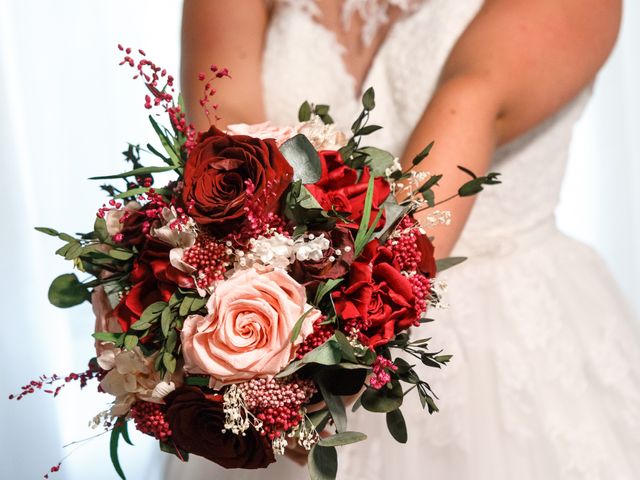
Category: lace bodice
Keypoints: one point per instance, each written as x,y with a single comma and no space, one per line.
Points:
303,61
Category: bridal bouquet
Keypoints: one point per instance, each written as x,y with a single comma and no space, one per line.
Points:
273,271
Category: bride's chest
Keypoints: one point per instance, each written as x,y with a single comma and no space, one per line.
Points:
304,61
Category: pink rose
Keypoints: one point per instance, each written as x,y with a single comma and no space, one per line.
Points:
247,333
262,131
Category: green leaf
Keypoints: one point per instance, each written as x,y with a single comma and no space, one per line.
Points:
367,130
303,158
113,448
125,433
467,171
107,337
48,231
166,143
135,172
296,328
360,242
169,361
397,426
185,306
165,447
197,304
429,197
326,354
383,400
379,160
304,113
100,227
369,99
326,287
342,438
345,347
120,254
323,463
444,359
319,419
67,291
152,312
445,263
166,319
433,180
130,342
74,251
171,341
423,154
335,406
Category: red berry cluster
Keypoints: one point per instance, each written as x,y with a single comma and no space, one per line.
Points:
321,333
47,384
209,91
405,246
209,258
277,404
421,287
149,419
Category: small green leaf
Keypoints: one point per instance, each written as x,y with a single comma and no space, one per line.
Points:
423,154
130,342
152,312
74,251
303,158
326,287
319,418
383,400
360,242
48,231
326,354
67,291
100,227
433,180
169,361
335,406
166,143
185,306
107,337
197,381
166,319
367,130
467,171
198,304
345,347
298,326
133,173
379,160
369,99
397,426
445,263
304,113
120,254
113,448
342,438
443,358
171,341
323,463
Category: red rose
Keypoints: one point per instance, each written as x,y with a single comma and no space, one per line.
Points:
153,279
427,264
377,298
216,173
340,188
197,423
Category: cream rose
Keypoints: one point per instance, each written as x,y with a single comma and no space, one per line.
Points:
263,131
247,333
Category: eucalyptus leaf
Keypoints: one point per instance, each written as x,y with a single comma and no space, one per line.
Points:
383,400
335,406
379,160
67,291
397,426
48,231
323,463
304,113
423,154
303,158
446,263
342,438
369,99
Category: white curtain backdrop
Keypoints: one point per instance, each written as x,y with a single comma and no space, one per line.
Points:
67,113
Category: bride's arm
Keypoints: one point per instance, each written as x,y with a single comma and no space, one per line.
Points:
230,34
517,63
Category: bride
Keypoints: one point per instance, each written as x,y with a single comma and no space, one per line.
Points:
544,382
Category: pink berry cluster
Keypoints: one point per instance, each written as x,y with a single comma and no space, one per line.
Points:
209,258
321,333
405,247
380,375
47,384
149,419
258,222
209,91
277,404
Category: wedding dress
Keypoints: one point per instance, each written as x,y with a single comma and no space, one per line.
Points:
545,379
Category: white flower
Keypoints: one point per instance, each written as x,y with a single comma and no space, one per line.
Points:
311,250
280,251
321,136
274,251
174,230
395,167
131,376
113,217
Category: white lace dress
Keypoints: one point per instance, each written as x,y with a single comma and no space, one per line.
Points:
545,379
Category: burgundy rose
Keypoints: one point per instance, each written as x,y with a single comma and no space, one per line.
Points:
377,298
334,263
427,264
216,175
153,279
197,420
340,188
